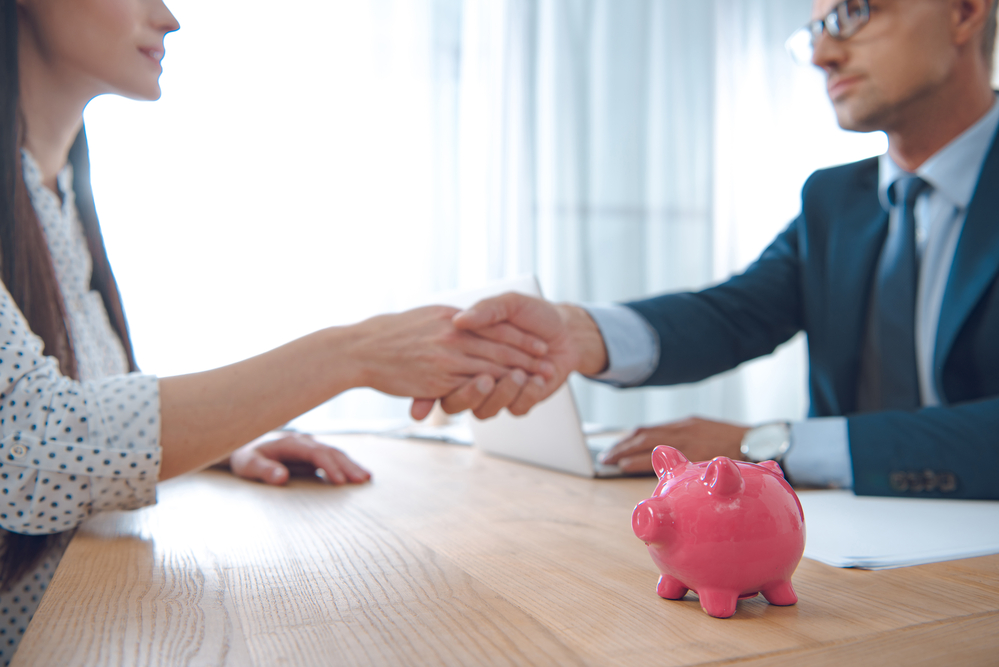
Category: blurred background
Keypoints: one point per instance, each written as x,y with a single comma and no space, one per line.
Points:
315,162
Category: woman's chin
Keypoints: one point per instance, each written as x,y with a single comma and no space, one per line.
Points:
146,93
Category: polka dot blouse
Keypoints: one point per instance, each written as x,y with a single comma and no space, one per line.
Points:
67,448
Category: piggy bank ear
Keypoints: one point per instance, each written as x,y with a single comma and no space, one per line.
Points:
723,477
668,461
773,467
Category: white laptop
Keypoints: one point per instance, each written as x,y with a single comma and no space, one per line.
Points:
551,434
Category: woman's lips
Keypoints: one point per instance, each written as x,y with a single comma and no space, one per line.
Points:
156,55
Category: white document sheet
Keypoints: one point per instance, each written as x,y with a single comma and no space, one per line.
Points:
845,530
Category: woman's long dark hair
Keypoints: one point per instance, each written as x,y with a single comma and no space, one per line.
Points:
26,265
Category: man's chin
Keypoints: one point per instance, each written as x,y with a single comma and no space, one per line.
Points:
853,119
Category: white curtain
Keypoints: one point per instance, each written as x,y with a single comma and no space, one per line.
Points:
640,147
326,161
295,174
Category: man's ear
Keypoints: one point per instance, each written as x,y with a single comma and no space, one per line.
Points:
968,20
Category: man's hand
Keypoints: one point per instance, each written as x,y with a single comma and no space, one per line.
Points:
572,338
269,458
698,439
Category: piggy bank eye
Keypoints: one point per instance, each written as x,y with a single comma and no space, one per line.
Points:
668,461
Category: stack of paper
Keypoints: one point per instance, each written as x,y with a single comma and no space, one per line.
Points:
845,530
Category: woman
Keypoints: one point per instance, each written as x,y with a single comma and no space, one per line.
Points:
80,430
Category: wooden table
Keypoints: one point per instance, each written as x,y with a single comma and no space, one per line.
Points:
451,557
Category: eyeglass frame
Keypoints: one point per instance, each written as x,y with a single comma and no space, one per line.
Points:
830,24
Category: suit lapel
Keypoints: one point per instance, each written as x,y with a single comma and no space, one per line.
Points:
861,232
976,262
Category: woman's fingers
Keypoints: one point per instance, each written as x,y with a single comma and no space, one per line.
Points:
421,407
339,468
255,466
506,391
265,461
535,390
469,395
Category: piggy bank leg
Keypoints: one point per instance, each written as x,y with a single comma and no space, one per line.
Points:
720,604
781,594
670,588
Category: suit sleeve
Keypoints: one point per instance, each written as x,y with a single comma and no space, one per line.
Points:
950,452
714,330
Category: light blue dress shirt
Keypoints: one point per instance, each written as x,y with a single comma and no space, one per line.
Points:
820,453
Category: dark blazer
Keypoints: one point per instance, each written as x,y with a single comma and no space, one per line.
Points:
816,276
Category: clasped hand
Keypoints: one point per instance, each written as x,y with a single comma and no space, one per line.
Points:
574,343
567,333
511,351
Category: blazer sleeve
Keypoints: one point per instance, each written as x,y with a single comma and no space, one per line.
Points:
715,330
948,452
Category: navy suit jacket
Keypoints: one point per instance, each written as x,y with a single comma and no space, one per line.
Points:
816,277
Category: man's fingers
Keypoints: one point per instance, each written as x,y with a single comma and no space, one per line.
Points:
636,464
507,389
626,447
469,395
510,335
421,408
504,355
529,314
487,312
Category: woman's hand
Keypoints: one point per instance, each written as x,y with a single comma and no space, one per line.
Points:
269,458
418,353
421,353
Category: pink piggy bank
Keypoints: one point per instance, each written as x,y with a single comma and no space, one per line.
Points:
725,529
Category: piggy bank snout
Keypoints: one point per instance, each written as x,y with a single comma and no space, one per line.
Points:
648,519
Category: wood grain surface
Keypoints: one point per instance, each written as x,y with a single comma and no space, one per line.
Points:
451,557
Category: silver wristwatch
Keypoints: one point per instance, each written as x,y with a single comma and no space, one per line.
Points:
767,442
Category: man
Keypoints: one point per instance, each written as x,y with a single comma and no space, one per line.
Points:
891,270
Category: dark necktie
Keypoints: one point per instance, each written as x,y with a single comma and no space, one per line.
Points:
894,313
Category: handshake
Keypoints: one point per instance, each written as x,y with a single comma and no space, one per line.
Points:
511,351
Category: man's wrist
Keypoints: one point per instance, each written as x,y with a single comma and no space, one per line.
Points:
767,442
585,337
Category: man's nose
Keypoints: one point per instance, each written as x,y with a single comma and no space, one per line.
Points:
827,52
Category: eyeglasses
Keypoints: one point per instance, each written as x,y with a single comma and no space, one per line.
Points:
842,22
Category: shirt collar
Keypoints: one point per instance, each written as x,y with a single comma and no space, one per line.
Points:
953,170
33,175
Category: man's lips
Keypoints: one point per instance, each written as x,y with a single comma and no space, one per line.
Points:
838,86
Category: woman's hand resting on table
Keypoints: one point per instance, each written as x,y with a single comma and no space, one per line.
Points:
274,457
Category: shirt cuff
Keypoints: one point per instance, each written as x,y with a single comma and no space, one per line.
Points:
632,345
820,453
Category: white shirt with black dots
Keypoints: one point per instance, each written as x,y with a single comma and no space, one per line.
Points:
67,448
